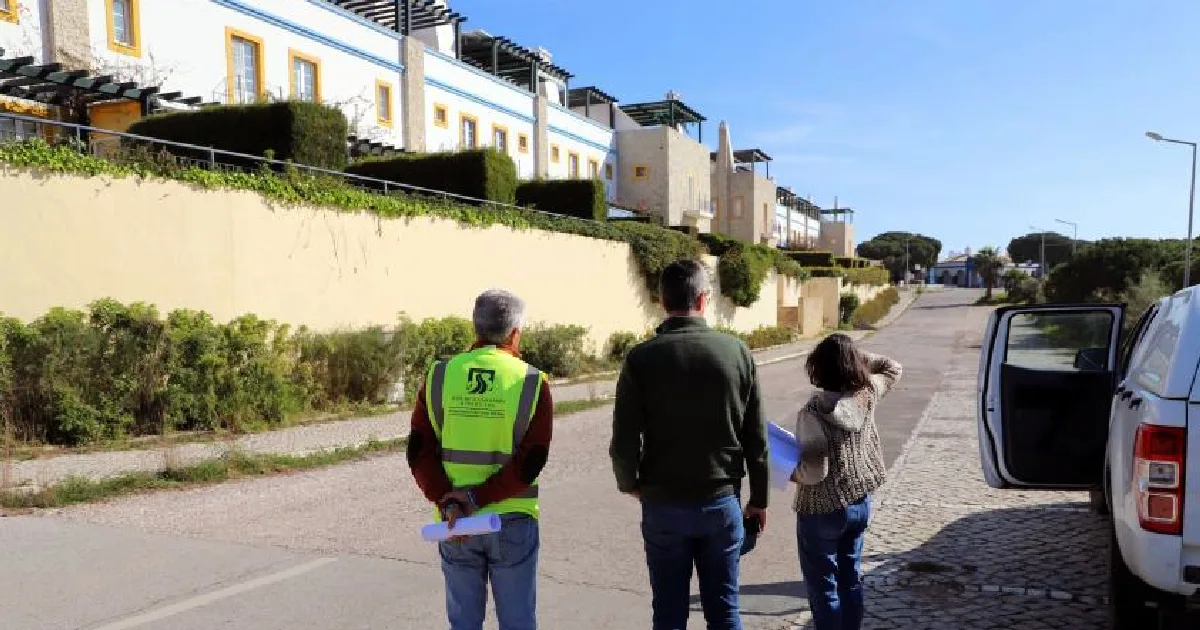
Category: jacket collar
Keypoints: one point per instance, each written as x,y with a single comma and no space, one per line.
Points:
479,345
682,323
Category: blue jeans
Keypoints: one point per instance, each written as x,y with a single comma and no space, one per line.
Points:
830,559
707,536
507,559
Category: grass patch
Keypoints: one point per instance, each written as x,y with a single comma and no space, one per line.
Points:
235,465
575,406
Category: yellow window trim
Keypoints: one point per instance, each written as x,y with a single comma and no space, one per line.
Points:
593,168
571,155
389,121
135,27
507,136
445,122
13,12
293,55
645,172
462,141
260,74
555,154
608,171
523,142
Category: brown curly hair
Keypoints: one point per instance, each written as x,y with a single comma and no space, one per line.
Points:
837,365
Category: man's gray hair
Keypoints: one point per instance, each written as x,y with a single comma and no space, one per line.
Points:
497,314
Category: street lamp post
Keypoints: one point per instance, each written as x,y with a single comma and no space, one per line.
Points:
1074,234
1187,256
1042,264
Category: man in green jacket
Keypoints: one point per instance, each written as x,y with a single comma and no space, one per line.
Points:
687,426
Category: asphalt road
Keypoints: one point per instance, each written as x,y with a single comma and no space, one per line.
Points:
338,548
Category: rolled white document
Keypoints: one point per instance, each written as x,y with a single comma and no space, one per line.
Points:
784,454
468,526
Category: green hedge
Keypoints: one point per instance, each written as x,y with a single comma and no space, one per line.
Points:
480,174
301,132
851,262
813,259
875,309
115,371
742,267
582,198
873,276
763,336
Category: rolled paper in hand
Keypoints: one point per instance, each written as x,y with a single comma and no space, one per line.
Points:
784,454
467,526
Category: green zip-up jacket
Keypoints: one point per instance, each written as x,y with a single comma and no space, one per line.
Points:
688,422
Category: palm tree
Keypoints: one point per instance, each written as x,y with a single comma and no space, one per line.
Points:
988,264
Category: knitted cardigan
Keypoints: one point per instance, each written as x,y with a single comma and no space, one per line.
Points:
841,460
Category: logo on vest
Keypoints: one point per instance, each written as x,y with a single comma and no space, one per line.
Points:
480,380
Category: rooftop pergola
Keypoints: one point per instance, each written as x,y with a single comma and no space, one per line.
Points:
586,97
672,112
50,84
403,16
742,157
507,59
841,215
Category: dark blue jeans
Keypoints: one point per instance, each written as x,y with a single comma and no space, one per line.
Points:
707,536
507,559
831,559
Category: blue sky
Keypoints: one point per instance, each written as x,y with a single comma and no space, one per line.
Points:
967,120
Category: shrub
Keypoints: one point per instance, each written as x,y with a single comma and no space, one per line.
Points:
876,308
485,174
349,366
582,198
868,276
813,259
420,344
556,350
618,347
742,267
297,131
1027,290
767,336
847,304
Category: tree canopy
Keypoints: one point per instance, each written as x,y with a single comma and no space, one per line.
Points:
889,248
1028,248
1111,266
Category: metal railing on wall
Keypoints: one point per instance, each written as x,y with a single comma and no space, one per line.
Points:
104,143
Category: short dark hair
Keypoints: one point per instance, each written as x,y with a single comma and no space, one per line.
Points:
836,365
681,284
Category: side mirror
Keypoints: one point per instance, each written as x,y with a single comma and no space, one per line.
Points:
1091,359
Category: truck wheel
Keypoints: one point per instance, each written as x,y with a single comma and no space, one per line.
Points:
1128,594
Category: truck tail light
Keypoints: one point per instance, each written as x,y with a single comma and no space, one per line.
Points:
1158,478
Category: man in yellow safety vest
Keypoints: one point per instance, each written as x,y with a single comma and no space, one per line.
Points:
480,437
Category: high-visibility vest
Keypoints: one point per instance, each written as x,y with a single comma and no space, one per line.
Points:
480,404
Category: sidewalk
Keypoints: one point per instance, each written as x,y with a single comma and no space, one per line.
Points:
312,438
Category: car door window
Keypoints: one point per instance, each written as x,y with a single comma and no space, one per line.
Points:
1149,365
1060,340
1132,341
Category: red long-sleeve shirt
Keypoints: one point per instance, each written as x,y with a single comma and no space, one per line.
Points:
426,463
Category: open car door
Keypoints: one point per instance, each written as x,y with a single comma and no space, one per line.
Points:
1046,381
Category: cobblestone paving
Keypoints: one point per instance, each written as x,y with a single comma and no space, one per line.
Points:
945,551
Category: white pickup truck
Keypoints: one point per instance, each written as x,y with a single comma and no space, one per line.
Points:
1068,402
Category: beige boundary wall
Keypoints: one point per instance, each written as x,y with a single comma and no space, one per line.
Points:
66,241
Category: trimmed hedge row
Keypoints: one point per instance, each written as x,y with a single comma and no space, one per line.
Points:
479,174
813,259
115,371
297,131
582,198
876,308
